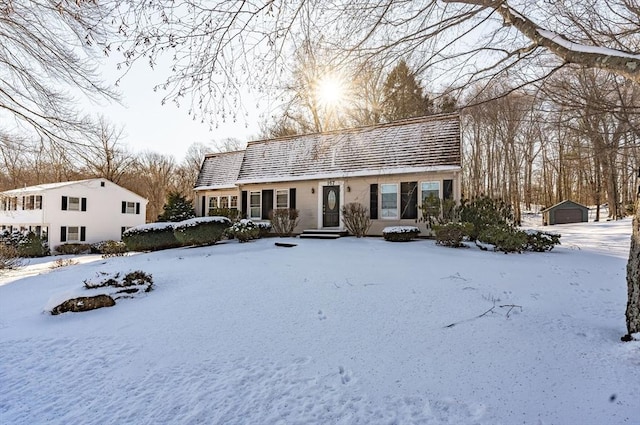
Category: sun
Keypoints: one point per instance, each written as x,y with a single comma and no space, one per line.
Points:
330,91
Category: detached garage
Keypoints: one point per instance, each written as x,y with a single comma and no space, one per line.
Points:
565,212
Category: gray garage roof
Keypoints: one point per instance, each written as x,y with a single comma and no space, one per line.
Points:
413,145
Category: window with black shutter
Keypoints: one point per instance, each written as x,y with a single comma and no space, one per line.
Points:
373,202
292,198
409,200
447,189
245,202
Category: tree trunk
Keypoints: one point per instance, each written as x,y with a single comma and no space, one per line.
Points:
633,279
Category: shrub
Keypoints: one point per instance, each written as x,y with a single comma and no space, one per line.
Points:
73,248
201,230
284,220
400,233
32,245
109,248
482,212
356,219
503,238
541,241
177,209
150,237
231,213
452,234
9,257
436,211
245,230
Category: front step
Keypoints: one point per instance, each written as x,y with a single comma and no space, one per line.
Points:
323,233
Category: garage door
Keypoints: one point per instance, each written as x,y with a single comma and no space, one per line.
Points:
573,215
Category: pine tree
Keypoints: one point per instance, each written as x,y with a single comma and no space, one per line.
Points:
403,95
177,208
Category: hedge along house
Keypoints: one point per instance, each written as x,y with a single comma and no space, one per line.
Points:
388,168
565,212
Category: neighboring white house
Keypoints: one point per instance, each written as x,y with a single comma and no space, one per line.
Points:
85,211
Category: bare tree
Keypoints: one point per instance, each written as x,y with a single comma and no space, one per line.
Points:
46,51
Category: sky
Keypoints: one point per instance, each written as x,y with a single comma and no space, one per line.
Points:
404,333
166,129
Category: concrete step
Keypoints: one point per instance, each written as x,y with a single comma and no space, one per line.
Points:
322,233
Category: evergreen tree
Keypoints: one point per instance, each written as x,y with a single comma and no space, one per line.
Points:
177,208
402,96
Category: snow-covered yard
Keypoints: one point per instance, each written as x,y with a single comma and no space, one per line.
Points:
332,332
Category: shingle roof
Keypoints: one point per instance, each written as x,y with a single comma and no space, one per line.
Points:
220,170
413,145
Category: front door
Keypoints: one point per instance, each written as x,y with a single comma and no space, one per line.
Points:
331,206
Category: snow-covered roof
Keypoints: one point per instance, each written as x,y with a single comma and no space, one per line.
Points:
40,188
220,170
417,144
566,201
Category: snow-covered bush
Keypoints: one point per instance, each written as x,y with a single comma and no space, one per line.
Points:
244,230
502,238
356,219
541,241
201,230
452,234
284,221
400,233
109,248
26,243
150,237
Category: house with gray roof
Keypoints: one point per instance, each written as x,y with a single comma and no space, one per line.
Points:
389,168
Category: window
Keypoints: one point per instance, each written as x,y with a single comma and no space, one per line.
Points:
389,195
255,209
234,202
213,205
38,202
282,198
430,189
131,208
224,202
73,234
73,204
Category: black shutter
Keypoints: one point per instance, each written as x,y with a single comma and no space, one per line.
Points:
447,189
292,198
373,202
124,207
409,200
83,206
23,203
122,229
245,200
63,234
137,207
267,203
203,206
83,234
64,203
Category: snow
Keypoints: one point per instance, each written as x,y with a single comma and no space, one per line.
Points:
346,331
576,47
400,229
162,225
200,220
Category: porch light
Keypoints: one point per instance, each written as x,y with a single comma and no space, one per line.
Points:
313,190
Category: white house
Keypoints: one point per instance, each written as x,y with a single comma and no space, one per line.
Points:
85,211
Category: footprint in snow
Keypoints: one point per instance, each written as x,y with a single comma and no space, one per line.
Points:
321,315
345,376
